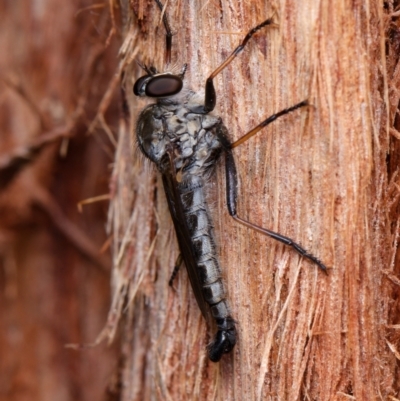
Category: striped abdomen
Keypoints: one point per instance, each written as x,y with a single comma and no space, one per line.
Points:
207,275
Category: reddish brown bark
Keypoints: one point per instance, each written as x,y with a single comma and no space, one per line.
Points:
327,176
55,66
319,175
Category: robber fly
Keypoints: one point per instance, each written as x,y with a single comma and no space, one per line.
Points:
184,140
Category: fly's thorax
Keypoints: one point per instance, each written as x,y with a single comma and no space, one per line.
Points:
189,138
196,145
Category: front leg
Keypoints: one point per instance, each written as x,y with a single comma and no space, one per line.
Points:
210,99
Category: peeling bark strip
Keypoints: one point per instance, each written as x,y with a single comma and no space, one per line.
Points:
320,178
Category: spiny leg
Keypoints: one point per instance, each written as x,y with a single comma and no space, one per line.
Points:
210,96
177,266
232,182
285,240
267,121
168,34
231,192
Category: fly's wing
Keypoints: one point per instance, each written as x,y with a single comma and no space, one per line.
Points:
182,232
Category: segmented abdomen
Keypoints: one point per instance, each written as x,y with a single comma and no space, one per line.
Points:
202,238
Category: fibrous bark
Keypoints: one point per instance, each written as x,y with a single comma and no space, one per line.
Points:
320,176
55,66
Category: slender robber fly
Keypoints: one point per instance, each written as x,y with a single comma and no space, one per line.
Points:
184,140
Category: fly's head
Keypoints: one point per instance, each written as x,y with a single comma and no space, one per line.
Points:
159,85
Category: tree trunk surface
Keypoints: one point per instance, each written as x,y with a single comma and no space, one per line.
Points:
325,176
55,66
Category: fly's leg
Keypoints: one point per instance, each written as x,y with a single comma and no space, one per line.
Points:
177,266
267,121
231,197
210,97
231,187
168,32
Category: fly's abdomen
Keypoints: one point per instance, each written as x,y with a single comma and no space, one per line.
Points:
202,238
208,271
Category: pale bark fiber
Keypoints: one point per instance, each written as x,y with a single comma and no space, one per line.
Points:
318,175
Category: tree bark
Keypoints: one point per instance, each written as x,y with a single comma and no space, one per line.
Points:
319,175
55,66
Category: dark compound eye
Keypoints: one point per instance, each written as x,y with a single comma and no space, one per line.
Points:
163,85
137,88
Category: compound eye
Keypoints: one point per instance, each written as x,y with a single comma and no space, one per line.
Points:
164,85
138,87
